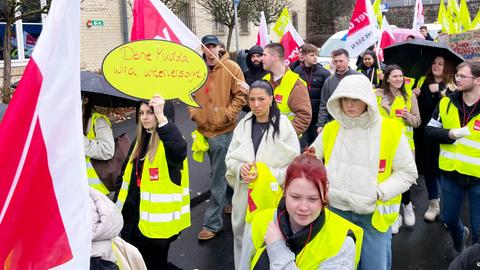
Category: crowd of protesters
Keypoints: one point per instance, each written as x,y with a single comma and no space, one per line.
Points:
321,165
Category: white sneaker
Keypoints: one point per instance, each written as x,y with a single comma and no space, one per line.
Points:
408,215
396,225
433,210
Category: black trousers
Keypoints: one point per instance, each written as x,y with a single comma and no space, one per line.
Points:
154,251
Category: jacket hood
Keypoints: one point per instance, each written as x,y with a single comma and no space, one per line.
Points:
356,87
254,49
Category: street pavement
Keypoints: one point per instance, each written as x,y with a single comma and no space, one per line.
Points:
426,246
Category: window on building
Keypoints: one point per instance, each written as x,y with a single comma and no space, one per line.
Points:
244,29
25,34
187,15
295,20
218,28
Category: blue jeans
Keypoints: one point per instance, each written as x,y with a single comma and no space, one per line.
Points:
433,186
452,199
376,247
213,219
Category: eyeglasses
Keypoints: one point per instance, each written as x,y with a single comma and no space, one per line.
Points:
460,77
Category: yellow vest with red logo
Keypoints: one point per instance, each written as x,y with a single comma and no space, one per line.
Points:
282,92
462,156
93,179
164,206
385,213
263,193
396,114
326,244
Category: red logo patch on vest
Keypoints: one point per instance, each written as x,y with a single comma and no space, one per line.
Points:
407,80
381,165
153,174
399,112
476,125
251,204
278,98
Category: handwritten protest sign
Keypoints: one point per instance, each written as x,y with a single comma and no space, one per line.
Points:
146,67
467,44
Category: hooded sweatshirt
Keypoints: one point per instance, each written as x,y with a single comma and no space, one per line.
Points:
254,72
353,166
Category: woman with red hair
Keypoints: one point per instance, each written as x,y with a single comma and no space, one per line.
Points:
301,233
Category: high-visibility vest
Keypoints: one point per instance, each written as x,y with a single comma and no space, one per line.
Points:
282,92
199,146
326,244
377,72
462,156
385,213
409,83
93,179
164,206
395,113
263,193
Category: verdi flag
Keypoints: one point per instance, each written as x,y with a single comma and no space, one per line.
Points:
44,205
262,36
453,15
465,16
363,31
386,38
418,18
153,20
378,12
291,42
442,17
476,22
283,20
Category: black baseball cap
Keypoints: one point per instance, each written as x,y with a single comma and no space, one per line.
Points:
210,39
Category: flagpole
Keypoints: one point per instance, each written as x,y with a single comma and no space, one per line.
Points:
376,46
220,62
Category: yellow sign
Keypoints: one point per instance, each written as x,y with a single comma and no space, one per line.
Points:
146,67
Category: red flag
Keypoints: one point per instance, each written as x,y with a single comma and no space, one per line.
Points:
363,31
262,36
291,42
386,38
153,20
44,211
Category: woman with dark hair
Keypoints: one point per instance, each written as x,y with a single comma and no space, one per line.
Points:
370,68
98,140
300,233
437,83
154,196
398,103
263,144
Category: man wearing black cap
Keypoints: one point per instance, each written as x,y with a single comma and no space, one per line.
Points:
255,65
221,99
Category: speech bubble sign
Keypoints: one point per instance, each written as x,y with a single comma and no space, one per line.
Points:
146,67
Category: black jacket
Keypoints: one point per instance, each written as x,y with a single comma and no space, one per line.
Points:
254,72
314,76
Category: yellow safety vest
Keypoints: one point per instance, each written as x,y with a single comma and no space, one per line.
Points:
409,83
263,193
164,206
326,244
93,179
462,156
385,212
199,146
377,71
282,92
398,105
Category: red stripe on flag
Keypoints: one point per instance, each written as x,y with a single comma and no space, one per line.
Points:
148,23
33,234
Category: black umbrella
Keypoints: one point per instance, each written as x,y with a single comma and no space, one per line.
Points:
102,93
416,56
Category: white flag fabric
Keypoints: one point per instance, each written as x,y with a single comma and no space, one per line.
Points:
387,38
418,17
291,42
262,36
363,31
45,212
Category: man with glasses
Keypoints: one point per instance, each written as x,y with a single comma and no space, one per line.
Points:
455,124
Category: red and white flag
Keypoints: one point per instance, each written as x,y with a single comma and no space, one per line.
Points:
386,38
153,20
291,42
418,18
262,36
363,31
44,205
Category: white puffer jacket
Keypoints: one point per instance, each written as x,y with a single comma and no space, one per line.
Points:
107,222
353,167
